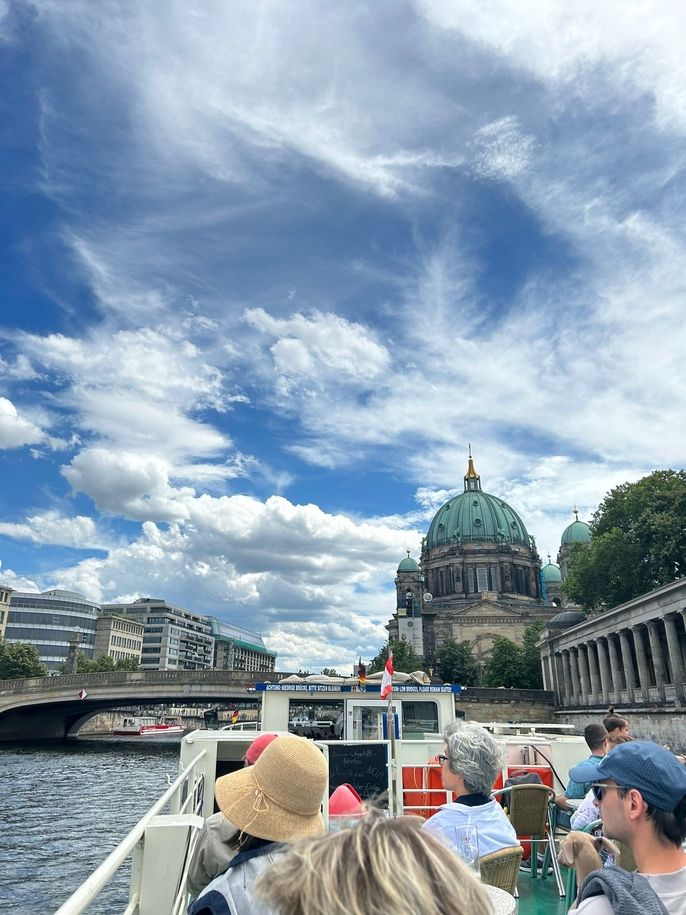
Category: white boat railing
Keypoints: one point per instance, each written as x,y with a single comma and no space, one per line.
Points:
184,797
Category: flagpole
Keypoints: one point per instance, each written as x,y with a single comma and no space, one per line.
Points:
390,728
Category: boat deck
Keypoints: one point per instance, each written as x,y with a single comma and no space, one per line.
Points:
539,897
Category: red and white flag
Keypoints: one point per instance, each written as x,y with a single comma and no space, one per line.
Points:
82,694
387,679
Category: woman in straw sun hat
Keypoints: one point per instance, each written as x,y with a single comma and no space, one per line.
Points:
278,800
215,847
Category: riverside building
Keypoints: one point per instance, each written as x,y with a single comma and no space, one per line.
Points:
173,639
119,637
49,620
240,649
5,592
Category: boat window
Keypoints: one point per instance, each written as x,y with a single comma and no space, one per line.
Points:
317,719
419,718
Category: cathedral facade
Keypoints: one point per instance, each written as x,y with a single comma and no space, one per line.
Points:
479,576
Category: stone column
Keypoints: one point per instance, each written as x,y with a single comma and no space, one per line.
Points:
627,660
591,648
658,658
605,672
615,666
585,678
559,678
566,678
642,663
676,660
576,683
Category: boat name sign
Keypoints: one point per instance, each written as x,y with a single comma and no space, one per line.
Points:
326,688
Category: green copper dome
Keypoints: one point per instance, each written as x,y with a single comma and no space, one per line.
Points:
551,574
408,564
475,515
576,532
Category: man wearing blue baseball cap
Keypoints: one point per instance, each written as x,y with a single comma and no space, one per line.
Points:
641,790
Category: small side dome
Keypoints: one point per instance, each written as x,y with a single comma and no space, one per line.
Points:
566,619
408,564
551,574
576,532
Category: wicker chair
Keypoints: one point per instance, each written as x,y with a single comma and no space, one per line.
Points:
528,813
501,868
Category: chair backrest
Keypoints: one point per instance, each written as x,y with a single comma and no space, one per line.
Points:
529,809
501,868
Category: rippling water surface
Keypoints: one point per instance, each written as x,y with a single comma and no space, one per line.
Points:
64,807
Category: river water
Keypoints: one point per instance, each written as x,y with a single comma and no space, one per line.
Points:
64,807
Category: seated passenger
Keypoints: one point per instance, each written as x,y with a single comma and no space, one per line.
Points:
382,865
595,736
276,801
215,847
588,810
641,790
615,725
470,765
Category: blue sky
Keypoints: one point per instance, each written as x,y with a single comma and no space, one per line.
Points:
267,269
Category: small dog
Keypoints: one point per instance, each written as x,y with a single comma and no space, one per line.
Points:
581,850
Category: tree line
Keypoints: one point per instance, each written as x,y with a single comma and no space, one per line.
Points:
18,660
509,664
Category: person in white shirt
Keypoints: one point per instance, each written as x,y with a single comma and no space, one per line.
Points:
641,791
470,764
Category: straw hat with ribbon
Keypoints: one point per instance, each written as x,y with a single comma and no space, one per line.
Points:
279,798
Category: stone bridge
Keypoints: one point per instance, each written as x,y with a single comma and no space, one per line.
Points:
52,708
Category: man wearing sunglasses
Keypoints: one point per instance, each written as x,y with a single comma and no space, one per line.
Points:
641,791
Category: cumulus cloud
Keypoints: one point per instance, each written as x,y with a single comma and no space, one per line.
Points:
80,532
272,566
15,429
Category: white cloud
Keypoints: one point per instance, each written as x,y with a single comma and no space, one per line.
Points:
52,528
502,151
15,429
272,566
637,47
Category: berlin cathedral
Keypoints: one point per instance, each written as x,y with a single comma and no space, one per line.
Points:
479,576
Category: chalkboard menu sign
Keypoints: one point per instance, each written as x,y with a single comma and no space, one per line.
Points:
362,765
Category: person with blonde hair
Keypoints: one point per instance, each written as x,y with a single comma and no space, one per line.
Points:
380,865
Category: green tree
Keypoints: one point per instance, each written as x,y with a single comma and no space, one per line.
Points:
639,542
404,658
531,657
455,662
505,667
329,672
18,660
103,664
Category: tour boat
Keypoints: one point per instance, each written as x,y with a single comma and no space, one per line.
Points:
385,748
146,727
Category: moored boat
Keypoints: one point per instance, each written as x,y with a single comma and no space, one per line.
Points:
146,727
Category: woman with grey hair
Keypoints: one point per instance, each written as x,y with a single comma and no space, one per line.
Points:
470,764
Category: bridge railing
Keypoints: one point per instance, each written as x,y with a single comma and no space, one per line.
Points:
149,839
233,677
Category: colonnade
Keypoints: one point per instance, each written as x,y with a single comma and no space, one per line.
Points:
641,663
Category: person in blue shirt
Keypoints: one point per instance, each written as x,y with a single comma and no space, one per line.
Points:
595,736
